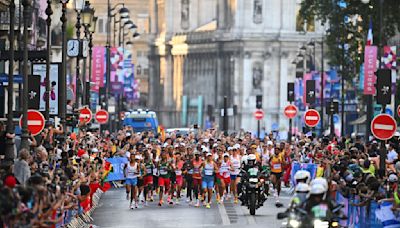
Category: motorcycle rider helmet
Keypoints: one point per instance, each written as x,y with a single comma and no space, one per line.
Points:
251,160
322,181
317,189
302,188
302,176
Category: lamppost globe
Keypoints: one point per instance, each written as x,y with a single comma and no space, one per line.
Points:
124,12
87,15
133,29
92,28
124,19
365,1
136,35
129,44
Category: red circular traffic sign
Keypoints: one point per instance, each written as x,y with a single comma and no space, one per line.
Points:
101,116
290,111
259,114
35,121
85,115
311,118
383,126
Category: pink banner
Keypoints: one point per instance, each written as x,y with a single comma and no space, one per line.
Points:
98,63
369,69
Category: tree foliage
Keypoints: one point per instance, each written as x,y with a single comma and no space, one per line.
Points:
348,27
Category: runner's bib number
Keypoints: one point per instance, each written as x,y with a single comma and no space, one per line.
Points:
178,172
277,166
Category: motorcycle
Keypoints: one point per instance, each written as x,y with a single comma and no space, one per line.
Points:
253,188
298,218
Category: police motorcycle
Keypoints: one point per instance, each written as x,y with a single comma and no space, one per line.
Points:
253,188
321,214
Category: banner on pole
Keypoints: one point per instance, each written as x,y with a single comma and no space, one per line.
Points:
98,67
370,56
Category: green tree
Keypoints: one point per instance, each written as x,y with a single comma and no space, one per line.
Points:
348,27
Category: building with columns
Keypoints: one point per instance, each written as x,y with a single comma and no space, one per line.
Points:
216,48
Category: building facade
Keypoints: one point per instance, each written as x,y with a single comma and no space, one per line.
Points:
216,48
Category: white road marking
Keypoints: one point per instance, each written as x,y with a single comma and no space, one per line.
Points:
224,215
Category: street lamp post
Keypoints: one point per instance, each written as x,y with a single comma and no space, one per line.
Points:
25,135
92,29
78,8
9,153
87,20
49,12
63,82
124,12
313,44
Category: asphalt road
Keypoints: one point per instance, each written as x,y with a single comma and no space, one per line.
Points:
114,212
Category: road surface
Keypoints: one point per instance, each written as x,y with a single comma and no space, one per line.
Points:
114,212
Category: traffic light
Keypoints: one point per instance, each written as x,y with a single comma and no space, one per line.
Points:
332,107
383,86
102,97
290,91
310,92
259,101
210,110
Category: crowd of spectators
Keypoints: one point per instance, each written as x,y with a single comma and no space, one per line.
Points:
54,180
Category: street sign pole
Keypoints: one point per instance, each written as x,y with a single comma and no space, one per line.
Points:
290,129
382,155
290,98
258,128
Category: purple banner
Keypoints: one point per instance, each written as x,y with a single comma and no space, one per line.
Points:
369,69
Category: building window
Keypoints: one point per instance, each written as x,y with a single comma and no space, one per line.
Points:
101,24
257,13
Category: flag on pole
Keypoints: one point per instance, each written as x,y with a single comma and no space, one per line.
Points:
370,37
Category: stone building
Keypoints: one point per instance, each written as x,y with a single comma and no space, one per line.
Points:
217,48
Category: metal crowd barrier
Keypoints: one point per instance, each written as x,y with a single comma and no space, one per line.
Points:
74,219
358,216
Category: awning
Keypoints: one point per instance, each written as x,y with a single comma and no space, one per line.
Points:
359,120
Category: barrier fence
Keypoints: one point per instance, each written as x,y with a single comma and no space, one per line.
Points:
80,218
359,216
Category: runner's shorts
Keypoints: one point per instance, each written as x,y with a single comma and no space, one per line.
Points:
208,182
179,180
164,182
148,180
278,175
131,181
233,177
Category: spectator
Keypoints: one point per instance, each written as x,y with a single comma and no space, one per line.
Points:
21,167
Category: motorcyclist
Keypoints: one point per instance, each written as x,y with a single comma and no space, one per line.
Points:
318,206
301,193
302,176
249,163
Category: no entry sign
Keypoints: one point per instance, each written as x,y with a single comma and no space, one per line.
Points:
35,121
383,126
85,115
259,114
311,118
101,116
290,111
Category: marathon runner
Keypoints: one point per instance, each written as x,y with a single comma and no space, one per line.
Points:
209,168
276,163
